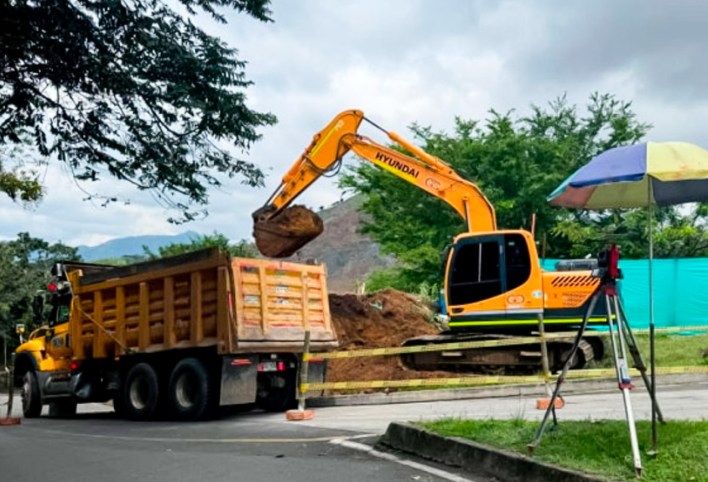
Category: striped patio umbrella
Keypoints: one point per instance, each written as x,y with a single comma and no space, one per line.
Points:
662,173
641,175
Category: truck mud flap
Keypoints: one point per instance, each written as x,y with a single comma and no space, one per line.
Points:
316,373
238,379
80,387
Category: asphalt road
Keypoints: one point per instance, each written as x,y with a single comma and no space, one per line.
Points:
264,447
96,446
680,401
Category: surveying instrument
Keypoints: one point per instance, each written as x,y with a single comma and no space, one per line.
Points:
621,340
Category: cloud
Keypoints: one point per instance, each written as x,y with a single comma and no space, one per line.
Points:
663,45
405,61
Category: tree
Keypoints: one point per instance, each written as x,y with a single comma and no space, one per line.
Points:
126,89
517,162
679,232
25,265
216,240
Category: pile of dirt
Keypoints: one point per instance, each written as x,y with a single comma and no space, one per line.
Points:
383,319
282,235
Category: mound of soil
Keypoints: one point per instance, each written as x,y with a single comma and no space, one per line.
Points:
282,235
383,319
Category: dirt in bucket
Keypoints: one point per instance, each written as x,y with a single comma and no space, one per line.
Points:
282,235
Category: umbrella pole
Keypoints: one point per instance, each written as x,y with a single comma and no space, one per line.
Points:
652,354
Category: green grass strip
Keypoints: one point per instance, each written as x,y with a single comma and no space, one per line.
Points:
600,448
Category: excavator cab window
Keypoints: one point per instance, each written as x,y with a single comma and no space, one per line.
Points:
486,266
517,261
476,270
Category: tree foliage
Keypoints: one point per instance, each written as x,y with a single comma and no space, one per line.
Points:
127,89
216,240
679,232
25,265
19,182
517,162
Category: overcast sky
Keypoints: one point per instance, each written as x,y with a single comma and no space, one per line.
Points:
405,61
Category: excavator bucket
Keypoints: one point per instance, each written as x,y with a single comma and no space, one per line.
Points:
282,235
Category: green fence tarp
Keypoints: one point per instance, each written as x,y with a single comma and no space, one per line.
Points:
680,291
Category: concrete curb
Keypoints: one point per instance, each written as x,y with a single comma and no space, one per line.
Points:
664,382
475,458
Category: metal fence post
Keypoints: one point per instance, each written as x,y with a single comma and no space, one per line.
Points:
10,390
303,373
544,355
9,420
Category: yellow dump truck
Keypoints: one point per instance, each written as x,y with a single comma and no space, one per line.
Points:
176,337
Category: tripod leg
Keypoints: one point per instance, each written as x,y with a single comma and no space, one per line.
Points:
544,355
625,384
563,374
638,360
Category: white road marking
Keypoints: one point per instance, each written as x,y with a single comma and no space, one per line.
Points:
206,440
392,458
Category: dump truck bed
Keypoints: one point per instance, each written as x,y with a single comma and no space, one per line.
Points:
202,299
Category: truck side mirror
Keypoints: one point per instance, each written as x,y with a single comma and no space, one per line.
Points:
38,308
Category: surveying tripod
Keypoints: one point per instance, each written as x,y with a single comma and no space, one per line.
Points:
621,340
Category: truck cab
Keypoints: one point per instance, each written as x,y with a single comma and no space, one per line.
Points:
43,364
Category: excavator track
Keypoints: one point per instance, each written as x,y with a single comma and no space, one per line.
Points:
499,360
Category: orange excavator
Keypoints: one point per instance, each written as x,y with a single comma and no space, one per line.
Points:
494,287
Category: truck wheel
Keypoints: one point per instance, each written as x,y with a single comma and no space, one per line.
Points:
141,392
63,408
276,393
31,398
192,391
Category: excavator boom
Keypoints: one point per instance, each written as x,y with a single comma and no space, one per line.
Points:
280,230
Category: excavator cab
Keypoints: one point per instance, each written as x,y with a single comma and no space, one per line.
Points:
492,279
483,267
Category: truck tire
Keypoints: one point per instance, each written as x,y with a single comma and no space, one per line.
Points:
141,392
276,393
192,391
31,398
62,408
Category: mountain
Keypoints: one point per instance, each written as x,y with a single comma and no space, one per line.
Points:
349,255
132,245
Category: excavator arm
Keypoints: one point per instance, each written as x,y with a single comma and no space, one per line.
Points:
279,234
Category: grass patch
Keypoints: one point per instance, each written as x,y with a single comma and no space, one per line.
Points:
600,448
672,350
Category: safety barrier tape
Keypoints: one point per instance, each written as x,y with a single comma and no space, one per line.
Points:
489,380
526,340
672,329
609,372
